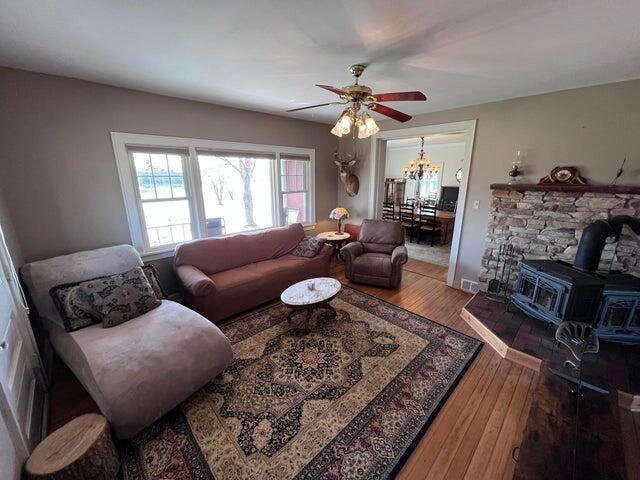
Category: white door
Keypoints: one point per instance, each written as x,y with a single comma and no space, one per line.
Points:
22,389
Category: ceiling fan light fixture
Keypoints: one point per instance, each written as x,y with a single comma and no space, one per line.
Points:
370,125
366,126
357,96
343,125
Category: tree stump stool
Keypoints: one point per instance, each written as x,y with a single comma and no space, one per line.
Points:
81,449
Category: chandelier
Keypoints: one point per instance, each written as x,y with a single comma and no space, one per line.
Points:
420,166
350,118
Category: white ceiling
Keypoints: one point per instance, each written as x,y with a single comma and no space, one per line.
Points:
266,55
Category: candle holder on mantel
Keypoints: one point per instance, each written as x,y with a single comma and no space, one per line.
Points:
515,171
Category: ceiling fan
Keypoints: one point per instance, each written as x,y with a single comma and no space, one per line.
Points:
358,96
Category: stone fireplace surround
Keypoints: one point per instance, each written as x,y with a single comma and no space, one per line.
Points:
546,222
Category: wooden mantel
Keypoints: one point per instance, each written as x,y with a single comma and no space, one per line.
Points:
556,187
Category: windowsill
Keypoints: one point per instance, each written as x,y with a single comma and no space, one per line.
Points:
150,256
160,254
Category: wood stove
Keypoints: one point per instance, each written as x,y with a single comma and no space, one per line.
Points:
619,315
556,292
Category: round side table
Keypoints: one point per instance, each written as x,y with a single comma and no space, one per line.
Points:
80,449
336,240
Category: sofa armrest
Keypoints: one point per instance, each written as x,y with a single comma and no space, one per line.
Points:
326,251
194,281
351,251
399,256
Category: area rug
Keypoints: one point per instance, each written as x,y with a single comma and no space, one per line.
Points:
348,398
438,254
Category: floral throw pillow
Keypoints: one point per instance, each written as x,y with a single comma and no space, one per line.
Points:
152,276
112,300
308,247
75,306
121,297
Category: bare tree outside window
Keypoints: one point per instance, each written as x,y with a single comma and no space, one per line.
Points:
245,167
217,178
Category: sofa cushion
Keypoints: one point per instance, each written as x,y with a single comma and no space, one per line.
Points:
152,276
111,299
283,266
236,277
141,369
75,306
217,254
121,297
308,247
43,275
373,264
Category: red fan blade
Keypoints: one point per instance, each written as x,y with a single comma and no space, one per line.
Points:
390,112
332,89
313,106
400,97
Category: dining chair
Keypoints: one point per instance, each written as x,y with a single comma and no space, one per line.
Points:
388,211
407,219
427,222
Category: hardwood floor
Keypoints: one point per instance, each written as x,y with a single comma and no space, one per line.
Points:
477,430
436,272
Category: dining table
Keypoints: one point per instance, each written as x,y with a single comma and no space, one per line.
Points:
445,220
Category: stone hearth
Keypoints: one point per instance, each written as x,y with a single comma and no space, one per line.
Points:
546,222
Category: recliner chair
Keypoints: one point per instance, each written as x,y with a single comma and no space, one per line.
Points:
378,255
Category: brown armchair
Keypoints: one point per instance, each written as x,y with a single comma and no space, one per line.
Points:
378,255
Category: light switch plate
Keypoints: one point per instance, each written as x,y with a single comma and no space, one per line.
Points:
476,204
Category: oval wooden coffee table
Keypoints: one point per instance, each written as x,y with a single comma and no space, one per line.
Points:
80,449
310,295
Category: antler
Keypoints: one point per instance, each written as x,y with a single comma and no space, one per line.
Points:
348,157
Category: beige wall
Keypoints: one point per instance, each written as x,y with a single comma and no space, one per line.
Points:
58,169
592,128
6,223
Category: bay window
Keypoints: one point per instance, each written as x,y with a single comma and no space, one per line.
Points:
178,189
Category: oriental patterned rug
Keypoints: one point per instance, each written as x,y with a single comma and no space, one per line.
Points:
348,399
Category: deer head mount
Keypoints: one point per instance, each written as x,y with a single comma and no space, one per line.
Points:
349,180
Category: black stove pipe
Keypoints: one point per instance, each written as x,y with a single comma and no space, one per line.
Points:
595,236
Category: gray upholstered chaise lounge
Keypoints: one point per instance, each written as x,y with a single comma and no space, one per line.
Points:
141,369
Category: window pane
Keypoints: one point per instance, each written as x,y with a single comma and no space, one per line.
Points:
177,231
163,187
237,193
295,207
175,164
147,190
159,163
293,175
142,163
162,217
177,186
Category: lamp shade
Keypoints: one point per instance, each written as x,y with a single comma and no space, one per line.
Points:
339,213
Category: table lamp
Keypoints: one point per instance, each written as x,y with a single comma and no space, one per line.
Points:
339,214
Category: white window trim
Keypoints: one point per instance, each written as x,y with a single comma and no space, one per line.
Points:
121,141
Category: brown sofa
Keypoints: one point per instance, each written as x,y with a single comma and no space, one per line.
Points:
378,255
222,276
